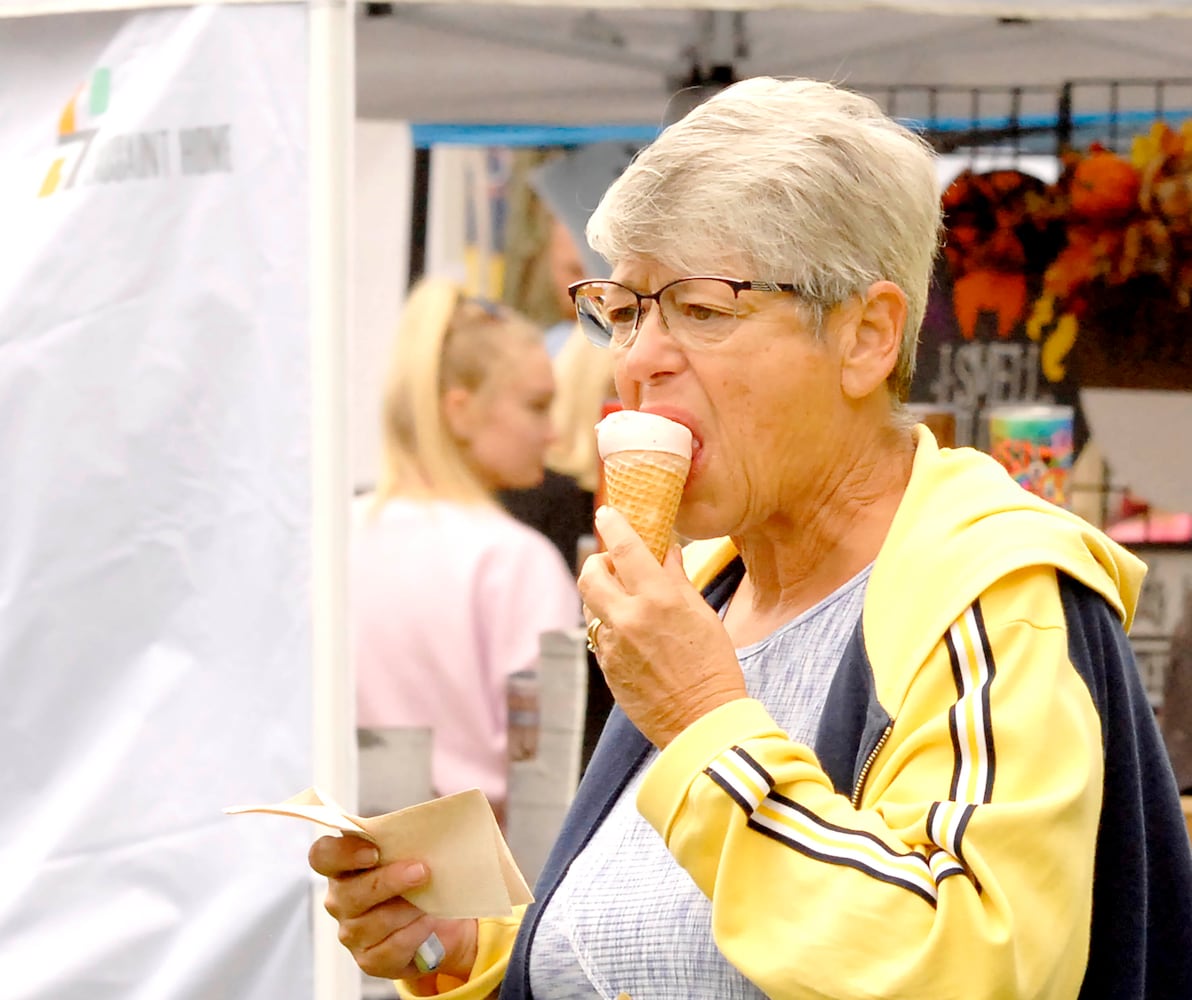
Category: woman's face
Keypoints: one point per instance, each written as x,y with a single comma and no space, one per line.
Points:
763,405
504,426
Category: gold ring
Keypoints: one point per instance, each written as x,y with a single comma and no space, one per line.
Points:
593,628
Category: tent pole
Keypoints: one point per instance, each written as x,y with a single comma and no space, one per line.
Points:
419,208
331,114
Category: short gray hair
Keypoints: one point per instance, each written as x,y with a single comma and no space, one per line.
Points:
796,180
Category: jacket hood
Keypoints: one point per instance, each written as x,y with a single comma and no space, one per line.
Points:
962,525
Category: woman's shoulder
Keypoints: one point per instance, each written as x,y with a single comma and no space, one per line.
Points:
484,528
513,535
515,549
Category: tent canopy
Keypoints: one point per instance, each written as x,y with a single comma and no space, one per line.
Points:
485,63
615,62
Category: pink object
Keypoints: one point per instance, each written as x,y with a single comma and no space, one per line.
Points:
447,601
1152,527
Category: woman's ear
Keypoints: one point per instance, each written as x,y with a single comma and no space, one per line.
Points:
459,412
871,352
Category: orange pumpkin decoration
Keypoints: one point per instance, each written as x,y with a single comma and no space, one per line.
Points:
1103,187
962,239
1002,293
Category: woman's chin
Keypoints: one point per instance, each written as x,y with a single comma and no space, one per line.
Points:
698,521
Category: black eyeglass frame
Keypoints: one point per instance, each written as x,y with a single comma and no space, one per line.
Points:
738,285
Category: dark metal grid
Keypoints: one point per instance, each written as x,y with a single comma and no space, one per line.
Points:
1016,120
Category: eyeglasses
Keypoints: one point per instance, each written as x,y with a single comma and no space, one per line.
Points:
697,311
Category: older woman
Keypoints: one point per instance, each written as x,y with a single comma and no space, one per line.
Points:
897,746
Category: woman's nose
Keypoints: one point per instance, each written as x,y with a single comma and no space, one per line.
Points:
653,352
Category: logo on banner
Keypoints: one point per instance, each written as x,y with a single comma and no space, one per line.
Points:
77,127
87,153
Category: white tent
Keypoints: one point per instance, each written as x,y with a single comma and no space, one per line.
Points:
173,320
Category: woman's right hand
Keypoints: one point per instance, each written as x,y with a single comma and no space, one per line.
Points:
377,924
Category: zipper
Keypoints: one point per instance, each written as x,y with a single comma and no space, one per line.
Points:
855,799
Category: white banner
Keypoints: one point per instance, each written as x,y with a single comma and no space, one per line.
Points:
154,504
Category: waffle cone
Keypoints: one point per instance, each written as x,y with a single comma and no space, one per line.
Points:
646,487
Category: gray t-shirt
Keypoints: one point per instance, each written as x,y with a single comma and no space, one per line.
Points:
626,917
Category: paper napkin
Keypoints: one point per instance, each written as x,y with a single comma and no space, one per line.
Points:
472,873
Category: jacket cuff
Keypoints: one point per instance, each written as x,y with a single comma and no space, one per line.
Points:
494,945
664,788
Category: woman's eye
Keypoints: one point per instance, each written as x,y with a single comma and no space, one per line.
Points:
623,316
702,313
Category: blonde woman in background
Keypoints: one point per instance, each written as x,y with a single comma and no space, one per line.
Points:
450,594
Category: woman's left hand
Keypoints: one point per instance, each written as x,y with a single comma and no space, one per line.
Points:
664,652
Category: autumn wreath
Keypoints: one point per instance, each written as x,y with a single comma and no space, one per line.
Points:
1116,300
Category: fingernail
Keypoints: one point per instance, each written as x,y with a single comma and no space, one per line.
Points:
415,873
366,857
601,513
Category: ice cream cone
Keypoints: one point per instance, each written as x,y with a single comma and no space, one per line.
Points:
646,461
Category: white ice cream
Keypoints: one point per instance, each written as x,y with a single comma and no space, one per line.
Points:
632,430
